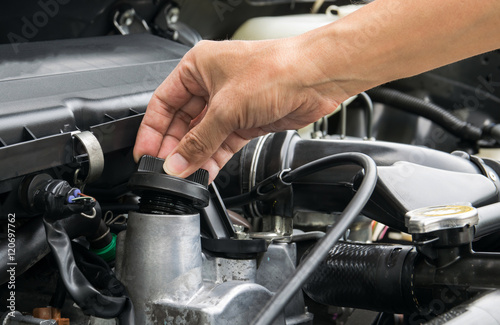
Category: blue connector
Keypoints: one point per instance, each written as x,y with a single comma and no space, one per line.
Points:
73,195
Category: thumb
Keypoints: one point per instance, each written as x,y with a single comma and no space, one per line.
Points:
197,146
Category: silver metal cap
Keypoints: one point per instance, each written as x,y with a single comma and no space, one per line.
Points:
429,219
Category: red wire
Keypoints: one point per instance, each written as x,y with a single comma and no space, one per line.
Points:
81,194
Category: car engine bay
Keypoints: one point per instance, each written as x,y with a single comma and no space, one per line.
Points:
385,212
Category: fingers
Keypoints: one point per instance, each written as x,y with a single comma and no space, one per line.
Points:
233,144
200,144
164,115
180,125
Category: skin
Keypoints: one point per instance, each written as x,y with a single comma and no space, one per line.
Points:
222,94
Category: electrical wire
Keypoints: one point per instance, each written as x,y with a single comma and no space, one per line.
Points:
377,230
278,302
86,196
83,198
110,219
382,233
86,200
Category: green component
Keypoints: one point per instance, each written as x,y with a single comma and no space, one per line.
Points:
107,253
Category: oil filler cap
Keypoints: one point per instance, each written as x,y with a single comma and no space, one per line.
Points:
441,217
150,164
151,178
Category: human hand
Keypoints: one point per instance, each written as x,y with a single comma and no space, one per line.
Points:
222,94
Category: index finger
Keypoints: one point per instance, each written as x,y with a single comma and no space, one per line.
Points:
167,99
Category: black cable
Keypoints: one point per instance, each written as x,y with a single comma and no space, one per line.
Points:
433,112
239,200
288,178
318,165
278,302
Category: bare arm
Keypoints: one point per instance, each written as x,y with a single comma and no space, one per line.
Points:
393,39
224,93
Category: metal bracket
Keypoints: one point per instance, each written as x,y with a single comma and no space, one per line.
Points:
129,22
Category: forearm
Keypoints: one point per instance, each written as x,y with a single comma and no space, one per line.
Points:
393,39
241,90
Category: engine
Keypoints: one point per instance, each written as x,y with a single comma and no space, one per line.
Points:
387,212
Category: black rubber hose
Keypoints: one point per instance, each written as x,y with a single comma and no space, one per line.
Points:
89,299
433,112
289,177
367,276
59,296
316,166
31,242
102,277
278,302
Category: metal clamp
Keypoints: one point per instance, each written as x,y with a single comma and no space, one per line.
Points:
95,154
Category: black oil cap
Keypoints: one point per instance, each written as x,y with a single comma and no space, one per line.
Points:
155,165
151,178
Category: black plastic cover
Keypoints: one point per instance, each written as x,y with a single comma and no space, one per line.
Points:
51,89
405,186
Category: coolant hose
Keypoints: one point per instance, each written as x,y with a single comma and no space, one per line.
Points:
367,276
433,112
397,279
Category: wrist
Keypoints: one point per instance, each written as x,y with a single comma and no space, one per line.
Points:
392,39
329,63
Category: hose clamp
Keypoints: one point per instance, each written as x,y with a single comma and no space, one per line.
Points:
95,156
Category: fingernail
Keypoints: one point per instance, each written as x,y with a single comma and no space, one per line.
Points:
175,164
